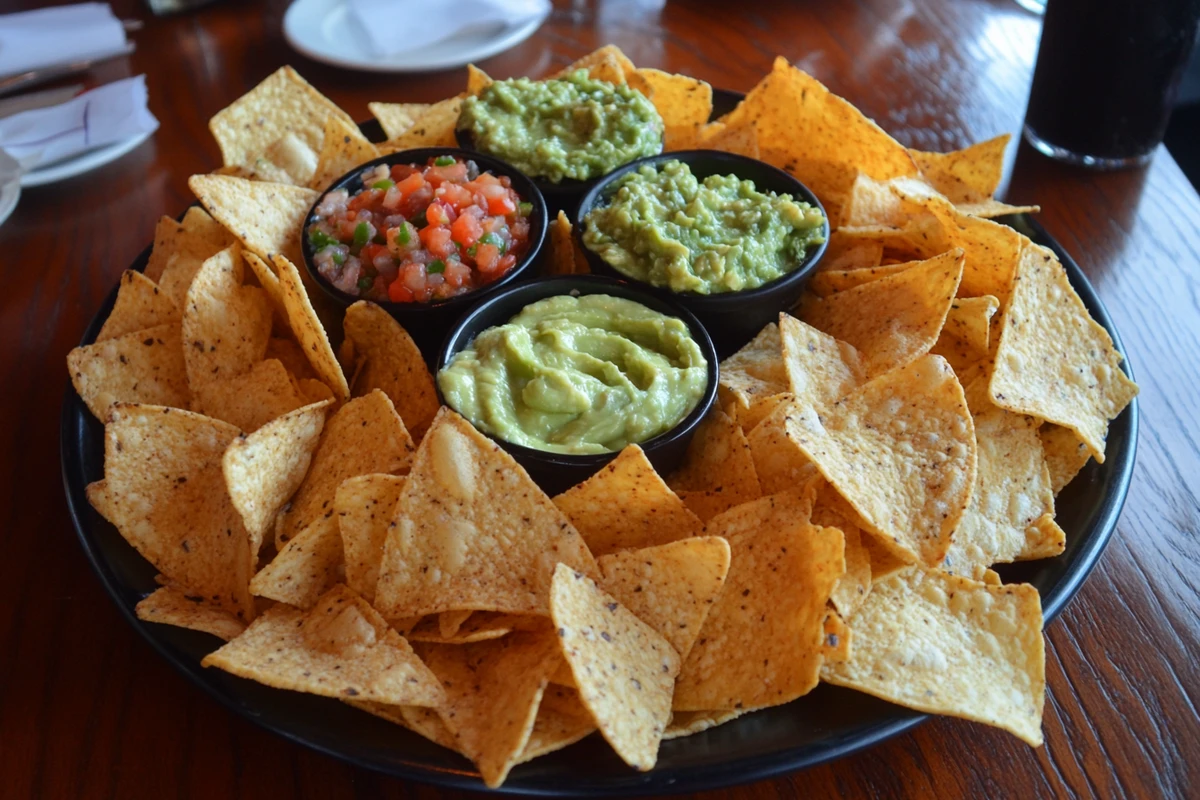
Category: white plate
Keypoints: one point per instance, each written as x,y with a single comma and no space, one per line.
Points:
10,193
84,162
323,30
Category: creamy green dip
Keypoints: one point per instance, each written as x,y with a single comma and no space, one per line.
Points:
575,127
665,227
586,374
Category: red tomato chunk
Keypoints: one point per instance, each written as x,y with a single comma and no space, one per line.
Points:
416,234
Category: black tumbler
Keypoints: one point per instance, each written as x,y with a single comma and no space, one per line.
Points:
1106,78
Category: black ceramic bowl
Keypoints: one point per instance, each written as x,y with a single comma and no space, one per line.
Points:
556,472
732,318
428,323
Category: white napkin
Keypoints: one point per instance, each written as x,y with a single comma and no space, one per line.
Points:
396,26
102,116
48,36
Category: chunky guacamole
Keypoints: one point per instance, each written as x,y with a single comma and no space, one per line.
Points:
586,374
667,228
575,127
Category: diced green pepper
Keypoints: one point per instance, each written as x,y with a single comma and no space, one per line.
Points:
435,267
402,235
362,234
443,161
339,257
320,240
493,238
365,283
384,184
524,209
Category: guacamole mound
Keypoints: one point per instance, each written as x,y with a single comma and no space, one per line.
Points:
574,127
669,229
578,375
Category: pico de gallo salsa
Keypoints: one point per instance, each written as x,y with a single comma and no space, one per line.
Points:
420,233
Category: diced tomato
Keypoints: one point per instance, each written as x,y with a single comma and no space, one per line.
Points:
399,293
402,171
507,261
487,257
457,274
370,251
501,205
406,186
465,230
456,173
364,200
437,214
455,195
437,240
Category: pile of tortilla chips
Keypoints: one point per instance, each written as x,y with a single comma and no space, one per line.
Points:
872,456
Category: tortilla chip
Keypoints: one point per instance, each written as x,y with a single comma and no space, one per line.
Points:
477,79
265,217
626,504
845,252
1065,454
670,587
314,391
166,495
166,231
780,465
761,643
994,208
422,721
707,503
820,369
901,450
742,141
719,460
139,367
832,511
448,622
283,104
340,648
493,690
251,399
263,469
397,118
562,247
1012,492
472,626
603,55
287,351
944,644
562,720
170,606
472,531
893,320
342,149
753,377
827,282
364,436
225,325
835,646
683,102
140,305
389,360
624,669
687,723
308,330
1054,361
970,175
309,565
965,338
433,128
203,229
365,505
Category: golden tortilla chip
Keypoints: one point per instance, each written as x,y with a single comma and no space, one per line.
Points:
893,320
265,217
225,325
832,511
742,141
473,626
166,231
780,465
604,55
251,399
309,565
314,391
970,175
1012,493
139,367
202,228
1054,361
283,104
994,208
363,437
264,468
944,644
761,644
1065,454
562,247
845,252
170,606
965,338
397,118
626,504
269,282
820,369
389,360
339,648
477,79
753,377
901,450
343,148
624,669
472,531
365,505
433,128
562,720
687,723
835,646
719,460
288,352
448,622
165,493
140,305
422,721
308,330
493,690
683,102
670,587
827,282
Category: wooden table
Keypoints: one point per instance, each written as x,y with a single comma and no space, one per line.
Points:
86,709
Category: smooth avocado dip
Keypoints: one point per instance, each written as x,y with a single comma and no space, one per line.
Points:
669,229
578,375
574,127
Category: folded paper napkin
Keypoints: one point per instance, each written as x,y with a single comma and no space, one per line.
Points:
49,36
396,26
102,116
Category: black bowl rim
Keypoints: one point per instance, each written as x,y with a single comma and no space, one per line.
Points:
602,284
538,230
800,274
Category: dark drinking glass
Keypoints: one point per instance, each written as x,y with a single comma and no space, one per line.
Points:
1106,78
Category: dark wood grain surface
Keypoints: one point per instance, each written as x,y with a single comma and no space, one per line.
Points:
87,710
